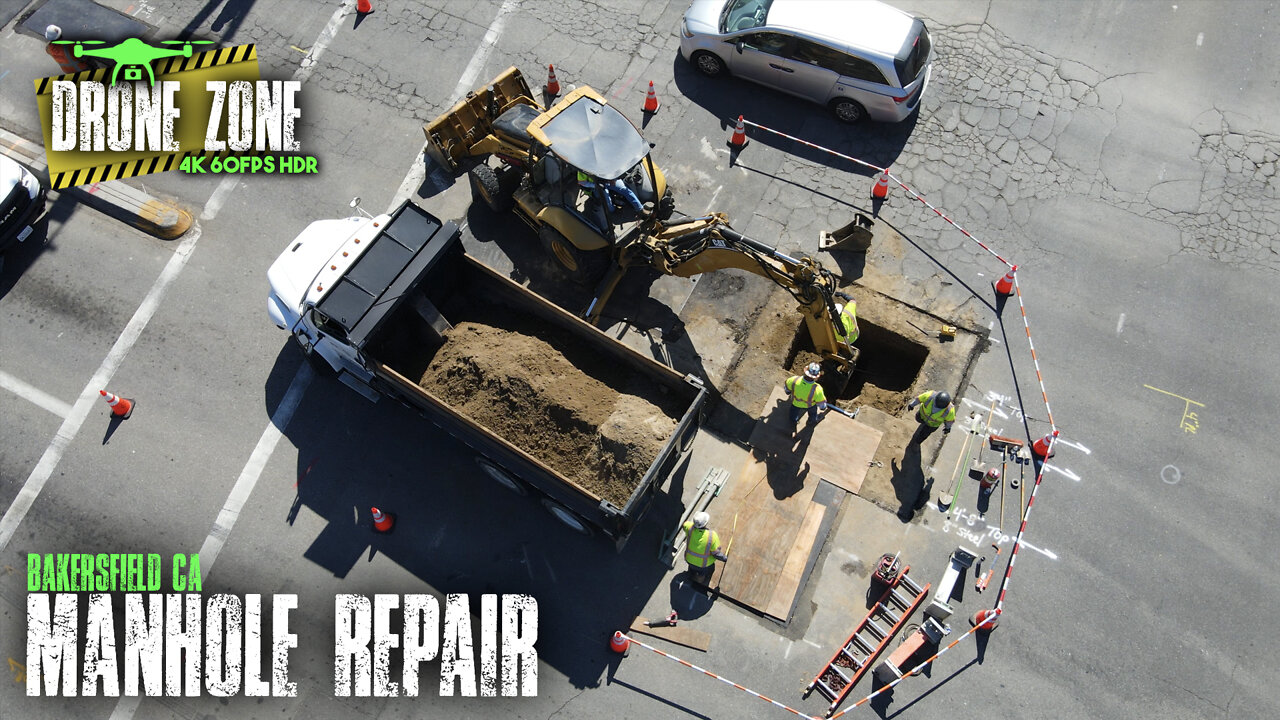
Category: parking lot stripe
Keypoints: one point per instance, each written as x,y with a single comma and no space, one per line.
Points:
89,396
34,395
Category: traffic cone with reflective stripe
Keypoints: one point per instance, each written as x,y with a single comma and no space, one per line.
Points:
739,137
553,85
1005,285
651,100
120,407
382,522
880,190
1041,447
620,643
364,7
985,620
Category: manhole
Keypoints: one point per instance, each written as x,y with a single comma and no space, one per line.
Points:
888,365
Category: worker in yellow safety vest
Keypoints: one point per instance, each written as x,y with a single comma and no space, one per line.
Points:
935,409
702,548
847,320
806,395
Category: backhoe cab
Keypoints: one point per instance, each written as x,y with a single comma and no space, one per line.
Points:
579,173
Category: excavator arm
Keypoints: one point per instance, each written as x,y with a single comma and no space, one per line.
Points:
708,244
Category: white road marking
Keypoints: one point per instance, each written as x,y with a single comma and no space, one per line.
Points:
34,395
1070,444
714,195
308,66
1063,471
1199,39
787,654
1120,324
1047,553
271,435
418,169
89,396
810,642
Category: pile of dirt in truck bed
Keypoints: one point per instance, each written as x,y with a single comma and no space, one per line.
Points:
582,416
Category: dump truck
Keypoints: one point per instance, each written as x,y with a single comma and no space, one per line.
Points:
379,301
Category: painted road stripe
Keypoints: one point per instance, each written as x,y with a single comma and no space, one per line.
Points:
34,395
89,396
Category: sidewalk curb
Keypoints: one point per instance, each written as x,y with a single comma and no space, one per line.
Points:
163,219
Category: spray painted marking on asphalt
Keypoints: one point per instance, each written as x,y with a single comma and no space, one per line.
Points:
89,396
1062,471
1190,422
973,528
308,66
34,395
1120,324
440,181
1170,475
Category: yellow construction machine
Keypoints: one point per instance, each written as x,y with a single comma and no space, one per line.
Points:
567,171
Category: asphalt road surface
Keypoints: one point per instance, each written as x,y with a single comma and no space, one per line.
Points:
1123,154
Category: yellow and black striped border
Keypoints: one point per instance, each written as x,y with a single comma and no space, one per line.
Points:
158,163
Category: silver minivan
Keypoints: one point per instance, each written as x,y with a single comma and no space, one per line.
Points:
861,58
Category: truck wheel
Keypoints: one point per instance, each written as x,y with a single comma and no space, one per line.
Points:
486,188
568,517
666,206
584,267
502,477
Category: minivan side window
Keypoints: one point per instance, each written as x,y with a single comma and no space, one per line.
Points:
841,63
767,42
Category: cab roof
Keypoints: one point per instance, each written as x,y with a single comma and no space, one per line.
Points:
591,135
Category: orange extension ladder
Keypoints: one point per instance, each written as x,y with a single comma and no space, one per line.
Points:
869,639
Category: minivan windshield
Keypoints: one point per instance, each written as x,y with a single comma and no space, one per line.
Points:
914,55
743,15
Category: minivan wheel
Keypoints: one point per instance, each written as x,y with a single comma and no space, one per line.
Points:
847,110
708,64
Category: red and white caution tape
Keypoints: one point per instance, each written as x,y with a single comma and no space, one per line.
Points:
901,184
726,681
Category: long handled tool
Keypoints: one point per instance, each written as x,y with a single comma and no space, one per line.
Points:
842,411
948,498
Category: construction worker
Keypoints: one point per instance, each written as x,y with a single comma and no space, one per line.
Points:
847,323
617,187
702,548
806,395
62,54
935,409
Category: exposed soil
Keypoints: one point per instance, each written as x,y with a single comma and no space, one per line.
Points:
582,416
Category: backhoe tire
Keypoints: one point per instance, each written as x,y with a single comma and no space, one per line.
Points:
584,267
486,188
666,206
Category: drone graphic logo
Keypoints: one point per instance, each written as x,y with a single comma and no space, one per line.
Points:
132,55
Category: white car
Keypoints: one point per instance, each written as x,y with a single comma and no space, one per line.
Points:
861,58
21,202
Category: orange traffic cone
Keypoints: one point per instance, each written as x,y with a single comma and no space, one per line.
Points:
382,522
120,407
1005,284
619,643
553,85
651,100
987,619
739,137
1041,446
364,7
880,190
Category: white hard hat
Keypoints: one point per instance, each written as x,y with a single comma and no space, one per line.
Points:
700,519
53,32
813,371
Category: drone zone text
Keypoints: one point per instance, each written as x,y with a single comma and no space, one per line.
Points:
130,116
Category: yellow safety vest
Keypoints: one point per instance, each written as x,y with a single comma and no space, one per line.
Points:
933,417
703,543
849,322
804,392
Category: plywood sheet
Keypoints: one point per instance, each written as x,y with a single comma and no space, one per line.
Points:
788,585
837,448
678,634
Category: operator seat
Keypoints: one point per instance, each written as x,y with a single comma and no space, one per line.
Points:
514,123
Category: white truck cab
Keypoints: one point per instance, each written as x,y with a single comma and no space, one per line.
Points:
305,274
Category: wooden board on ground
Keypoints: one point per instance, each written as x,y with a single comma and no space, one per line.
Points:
677,634
837,449
788,585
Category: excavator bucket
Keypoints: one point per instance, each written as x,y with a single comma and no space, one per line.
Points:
468,129
854,237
